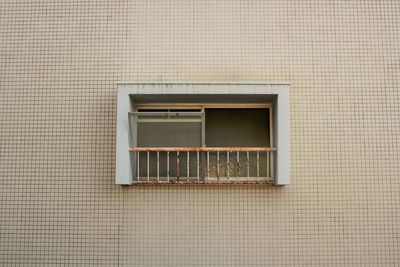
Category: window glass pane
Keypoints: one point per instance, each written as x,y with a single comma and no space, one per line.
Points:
159,133
237,127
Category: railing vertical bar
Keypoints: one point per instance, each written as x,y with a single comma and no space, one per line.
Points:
177,165
227,164
258,164
198,165
218,165
208,164
187,165
168,166
271,155
148,166
238,164
138,164
158,166
248,164
268,162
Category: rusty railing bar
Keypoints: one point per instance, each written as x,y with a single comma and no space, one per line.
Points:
148,165
158,165
265,180
218,165
238,164
177,165
258,163
138,163
168,166
227,164
211,149
187,164
208,164
271,156
268,165
248,164
198,165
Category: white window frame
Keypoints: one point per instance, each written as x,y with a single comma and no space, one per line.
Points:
281,112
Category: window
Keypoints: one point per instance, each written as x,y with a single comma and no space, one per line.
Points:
200,137
203,143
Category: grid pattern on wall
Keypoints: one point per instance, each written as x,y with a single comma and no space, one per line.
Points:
59,65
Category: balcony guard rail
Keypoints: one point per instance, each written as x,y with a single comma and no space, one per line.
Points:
157,165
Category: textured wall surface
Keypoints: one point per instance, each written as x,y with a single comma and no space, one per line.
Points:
59,64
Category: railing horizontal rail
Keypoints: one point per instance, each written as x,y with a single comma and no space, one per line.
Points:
204,149
191,182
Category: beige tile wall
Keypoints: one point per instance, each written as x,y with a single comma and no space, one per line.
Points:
59,64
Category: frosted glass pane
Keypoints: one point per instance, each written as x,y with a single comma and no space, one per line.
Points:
168,134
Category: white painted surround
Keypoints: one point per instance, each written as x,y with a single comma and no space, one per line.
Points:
279,91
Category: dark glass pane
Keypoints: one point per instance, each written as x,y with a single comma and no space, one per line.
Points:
237,127
168,134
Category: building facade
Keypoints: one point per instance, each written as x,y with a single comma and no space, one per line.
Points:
60,65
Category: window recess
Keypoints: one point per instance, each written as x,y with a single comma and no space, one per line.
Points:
203,133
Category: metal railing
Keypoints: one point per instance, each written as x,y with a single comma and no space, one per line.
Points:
203,164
